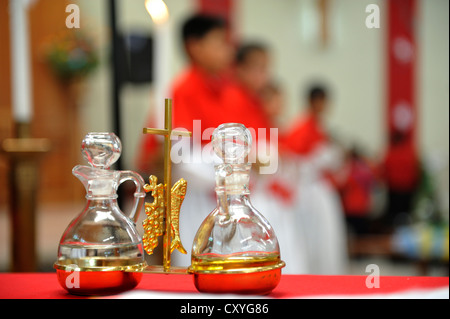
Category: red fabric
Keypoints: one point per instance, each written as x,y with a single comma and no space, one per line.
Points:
223,8
292,286
401,60
305,136
213,100
198,96
278,188
401,165
46,286
244,107
401,168
356,189
356,201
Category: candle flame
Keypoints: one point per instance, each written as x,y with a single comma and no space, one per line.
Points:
157,10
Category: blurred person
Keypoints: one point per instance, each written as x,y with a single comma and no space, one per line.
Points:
197,92
273,102
252,62
243,98
355,181
251,100
251,75
401,172
319,213
257,102
307,134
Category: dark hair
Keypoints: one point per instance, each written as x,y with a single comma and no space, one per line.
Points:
317,92
197,26
246,49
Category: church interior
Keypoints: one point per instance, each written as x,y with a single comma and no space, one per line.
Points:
375,70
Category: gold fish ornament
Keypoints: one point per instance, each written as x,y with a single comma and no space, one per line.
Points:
154,223
177,196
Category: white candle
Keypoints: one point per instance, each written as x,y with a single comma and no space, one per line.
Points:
20,61
159,13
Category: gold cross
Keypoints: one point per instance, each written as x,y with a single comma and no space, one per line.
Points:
167,132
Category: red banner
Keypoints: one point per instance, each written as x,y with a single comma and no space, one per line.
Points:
221,8
401,109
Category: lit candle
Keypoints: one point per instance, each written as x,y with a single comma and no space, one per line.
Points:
159,13
20,61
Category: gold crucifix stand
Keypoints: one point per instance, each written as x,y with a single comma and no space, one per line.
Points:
167,202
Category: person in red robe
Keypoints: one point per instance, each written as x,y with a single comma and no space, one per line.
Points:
251,75
401,171
198,92
273,103
319,213
243,98
356,181
307,132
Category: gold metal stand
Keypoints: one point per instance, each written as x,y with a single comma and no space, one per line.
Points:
23,155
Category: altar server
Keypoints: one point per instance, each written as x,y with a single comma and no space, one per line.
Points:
319,211
198,101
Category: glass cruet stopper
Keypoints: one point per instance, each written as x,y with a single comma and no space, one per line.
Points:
235,239
232,142
101,150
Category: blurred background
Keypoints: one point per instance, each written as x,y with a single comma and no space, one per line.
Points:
121,62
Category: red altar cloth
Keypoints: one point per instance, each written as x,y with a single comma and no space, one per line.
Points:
46,286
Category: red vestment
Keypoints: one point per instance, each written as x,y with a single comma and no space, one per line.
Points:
198,96
356,189
213,100
401,168
305,136
195,96
245,107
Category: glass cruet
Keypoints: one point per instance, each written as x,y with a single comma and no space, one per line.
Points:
235,249
102,241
